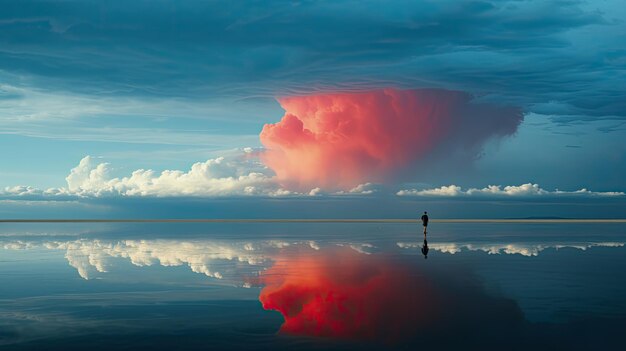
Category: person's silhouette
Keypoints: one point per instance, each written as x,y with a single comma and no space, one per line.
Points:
425,249
425,221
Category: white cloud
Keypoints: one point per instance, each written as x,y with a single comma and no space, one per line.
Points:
510,190
361,189
23,193
524,190
20,190
315,191
239,173
451,190
216,177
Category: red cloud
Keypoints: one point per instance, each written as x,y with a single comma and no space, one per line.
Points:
340,140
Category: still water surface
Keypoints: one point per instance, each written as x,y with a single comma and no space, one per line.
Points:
311,286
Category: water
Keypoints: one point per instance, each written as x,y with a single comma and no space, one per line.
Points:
311,286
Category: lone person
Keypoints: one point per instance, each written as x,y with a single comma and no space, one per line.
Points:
425,221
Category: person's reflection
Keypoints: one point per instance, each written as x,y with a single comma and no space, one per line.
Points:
425,248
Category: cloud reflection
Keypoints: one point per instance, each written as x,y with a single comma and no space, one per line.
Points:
199,256
339,290
339,293
524,249
232,261
216,259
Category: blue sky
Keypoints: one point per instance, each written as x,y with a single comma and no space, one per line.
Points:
162,85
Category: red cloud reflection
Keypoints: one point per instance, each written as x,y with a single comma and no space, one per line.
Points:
341,293
340,140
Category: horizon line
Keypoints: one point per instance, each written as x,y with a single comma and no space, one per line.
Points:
317,220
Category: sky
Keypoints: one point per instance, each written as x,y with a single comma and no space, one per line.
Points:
291,109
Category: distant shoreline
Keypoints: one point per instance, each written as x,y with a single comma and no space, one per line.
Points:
223,220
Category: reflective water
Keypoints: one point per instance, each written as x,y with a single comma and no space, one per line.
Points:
312,286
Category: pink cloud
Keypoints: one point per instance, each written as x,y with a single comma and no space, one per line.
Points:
340,140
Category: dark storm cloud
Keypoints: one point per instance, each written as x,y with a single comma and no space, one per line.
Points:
558,58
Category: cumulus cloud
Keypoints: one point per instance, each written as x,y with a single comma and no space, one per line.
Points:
451,190
215,177
524,190
25,192
20,190
361,189
234,175
239,174
341,140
